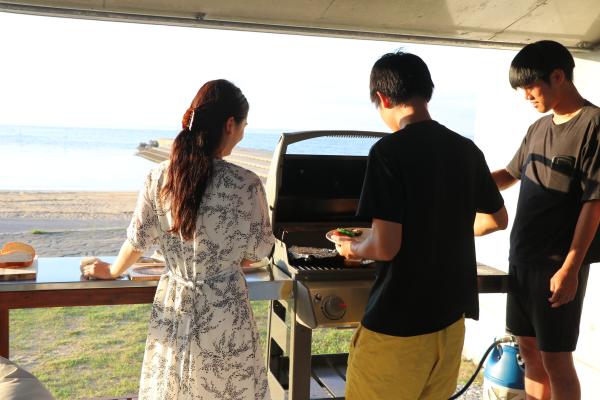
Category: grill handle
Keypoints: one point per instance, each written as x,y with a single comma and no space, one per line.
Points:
288,138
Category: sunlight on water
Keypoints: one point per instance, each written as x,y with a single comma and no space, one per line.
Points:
51,158
37,158
55,168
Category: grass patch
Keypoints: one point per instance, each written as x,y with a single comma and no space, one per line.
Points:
467,368
82,352
86,352
39,232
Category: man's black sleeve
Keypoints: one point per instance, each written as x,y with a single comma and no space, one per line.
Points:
382,192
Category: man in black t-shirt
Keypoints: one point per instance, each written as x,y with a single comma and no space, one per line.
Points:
427,190
557,217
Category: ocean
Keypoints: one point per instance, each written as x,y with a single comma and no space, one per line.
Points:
93,159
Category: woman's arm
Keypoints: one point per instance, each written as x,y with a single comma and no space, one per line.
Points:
103,270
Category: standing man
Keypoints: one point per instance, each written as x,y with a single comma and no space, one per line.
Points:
557,216
428,190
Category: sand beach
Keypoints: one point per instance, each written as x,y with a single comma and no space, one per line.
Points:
60,224
82,223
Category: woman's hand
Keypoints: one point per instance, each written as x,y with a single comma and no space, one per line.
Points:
247,263
98,269
93,267
250,265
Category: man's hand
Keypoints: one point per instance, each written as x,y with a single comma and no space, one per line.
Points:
565,281
563,286
344,246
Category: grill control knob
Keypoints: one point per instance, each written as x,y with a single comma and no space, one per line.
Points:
334,307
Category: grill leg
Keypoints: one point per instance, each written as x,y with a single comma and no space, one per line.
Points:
277,341
288,353
300,357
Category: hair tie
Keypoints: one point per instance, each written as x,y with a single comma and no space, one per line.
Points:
191,120
186,121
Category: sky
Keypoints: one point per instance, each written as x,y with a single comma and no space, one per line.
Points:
67,72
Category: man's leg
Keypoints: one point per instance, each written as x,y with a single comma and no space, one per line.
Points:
383,367
557,333
518,322
564,382
553,331
443,377
537,382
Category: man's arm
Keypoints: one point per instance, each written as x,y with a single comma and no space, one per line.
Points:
488,223
564,283
503,179
382,244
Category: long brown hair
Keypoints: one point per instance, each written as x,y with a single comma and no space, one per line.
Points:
191,164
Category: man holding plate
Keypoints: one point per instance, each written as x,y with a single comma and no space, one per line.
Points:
428,191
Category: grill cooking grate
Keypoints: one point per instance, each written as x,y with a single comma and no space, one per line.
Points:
309,268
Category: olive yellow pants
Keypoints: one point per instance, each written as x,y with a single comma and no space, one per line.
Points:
424,367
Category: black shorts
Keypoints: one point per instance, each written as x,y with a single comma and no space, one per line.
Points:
528,311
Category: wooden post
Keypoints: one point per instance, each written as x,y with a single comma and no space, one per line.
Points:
4,312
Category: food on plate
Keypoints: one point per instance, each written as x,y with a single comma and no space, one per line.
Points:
349,232
16,255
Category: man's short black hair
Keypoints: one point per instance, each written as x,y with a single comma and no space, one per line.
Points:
401,77
536,61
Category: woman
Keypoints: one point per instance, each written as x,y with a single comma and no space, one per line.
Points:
209,218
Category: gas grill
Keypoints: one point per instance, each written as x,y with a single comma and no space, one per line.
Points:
308,195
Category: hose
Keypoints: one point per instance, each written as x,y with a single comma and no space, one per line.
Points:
504,339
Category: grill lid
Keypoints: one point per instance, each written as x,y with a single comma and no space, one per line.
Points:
315,190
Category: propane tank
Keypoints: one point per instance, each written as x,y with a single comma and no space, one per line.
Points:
504,376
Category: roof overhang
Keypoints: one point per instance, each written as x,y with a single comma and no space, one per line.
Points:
475,23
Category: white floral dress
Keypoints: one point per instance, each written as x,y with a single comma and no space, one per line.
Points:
202,341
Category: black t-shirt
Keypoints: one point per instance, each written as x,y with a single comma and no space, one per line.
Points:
432,181
559,169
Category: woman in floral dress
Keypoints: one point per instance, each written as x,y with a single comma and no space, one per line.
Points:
209,218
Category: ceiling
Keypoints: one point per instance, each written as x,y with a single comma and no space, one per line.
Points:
479,23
